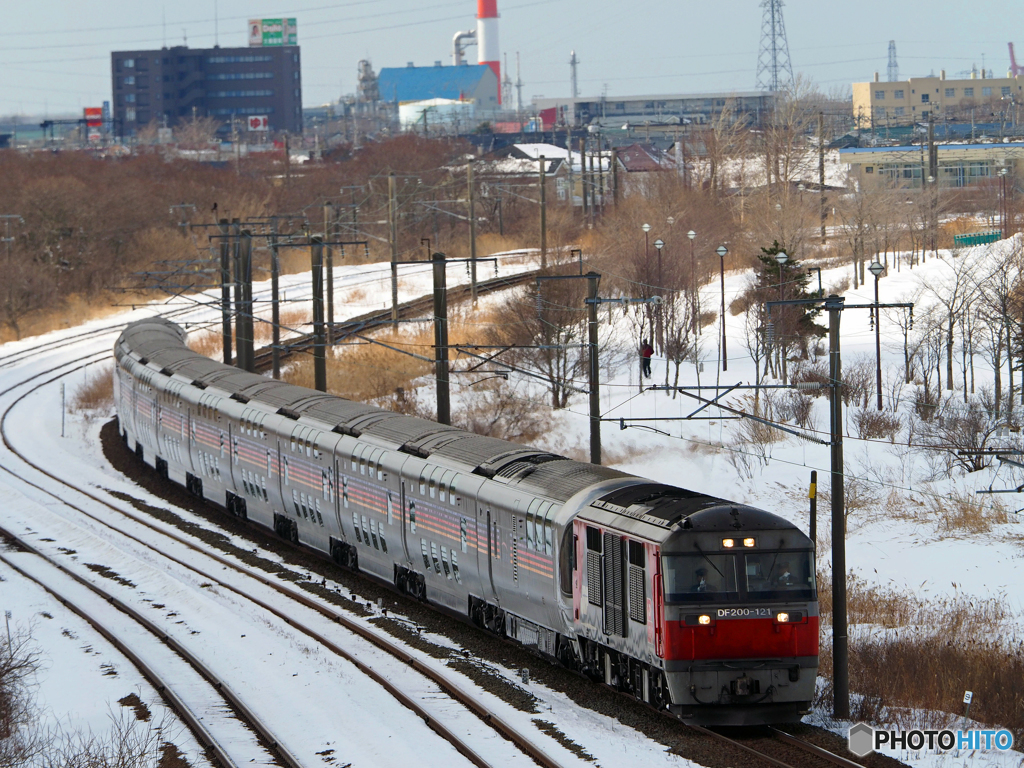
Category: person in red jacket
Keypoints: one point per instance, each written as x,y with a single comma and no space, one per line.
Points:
646,350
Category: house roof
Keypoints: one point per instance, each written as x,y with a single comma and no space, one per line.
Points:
421,83
643,157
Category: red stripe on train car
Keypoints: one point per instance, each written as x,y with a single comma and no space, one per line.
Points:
741,639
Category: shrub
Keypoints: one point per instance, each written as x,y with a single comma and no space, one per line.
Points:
872,424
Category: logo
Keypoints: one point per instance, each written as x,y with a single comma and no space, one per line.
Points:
862,739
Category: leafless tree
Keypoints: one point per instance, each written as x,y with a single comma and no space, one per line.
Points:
954,290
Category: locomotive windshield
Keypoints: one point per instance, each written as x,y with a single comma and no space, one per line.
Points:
762,576
700,577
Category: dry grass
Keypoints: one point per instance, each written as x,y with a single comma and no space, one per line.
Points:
960,512
96,394
925,655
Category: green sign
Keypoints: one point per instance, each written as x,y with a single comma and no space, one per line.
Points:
264,32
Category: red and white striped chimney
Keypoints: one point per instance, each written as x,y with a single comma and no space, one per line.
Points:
487,48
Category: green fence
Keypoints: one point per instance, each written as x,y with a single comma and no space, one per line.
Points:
976,238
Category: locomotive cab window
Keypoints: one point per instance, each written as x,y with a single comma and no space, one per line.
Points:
700,577
779,574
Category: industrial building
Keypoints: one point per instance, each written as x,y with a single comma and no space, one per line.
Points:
174,84
960,165
899,103
660,110
471,83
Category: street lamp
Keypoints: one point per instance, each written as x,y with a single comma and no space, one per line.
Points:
931,222
646,228
693,283
659,244
876,269
1002,208
721,251
781,258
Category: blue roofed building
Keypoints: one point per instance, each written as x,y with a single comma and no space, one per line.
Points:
465,82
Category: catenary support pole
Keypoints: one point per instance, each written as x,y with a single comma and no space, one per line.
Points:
813,496
225,288
246,320
393,242
821,173
236,263
472,231
319,342
543,215
330,225
840,640
275,304
594,385
444,410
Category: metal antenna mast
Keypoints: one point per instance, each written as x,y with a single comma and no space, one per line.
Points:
774,72
894,68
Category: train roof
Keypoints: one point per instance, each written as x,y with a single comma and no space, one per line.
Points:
159,343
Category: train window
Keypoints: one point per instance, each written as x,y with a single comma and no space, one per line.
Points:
293,444
295,502
423,482
366,532
412,516
355,527
433,556
530,531
287,474
441,491
344,492
234,448
426,557
263,480
444,562
593,539
373,532
362,466
779,574
567,561
432,487
455,567
700,577
316,508
391,509
383,541
548,542
353,462
380,470
463,538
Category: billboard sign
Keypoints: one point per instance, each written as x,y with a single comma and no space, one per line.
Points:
94,117
258,123
272,32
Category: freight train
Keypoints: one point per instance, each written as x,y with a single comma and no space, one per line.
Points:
692,604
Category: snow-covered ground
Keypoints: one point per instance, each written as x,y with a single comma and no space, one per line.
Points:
290,679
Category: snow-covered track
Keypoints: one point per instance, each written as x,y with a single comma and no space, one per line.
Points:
216,689
779,748
814,749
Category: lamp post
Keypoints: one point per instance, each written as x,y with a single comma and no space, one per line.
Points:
659,244
721,251
781,258
876,269
1002,207
693,283
646,228
931,218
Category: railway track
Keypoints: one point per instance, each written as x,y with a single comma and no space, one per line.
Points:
174,695
446,683
776,747
372,320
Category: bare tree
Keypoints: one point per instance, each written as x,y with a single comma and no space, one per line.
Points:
954,290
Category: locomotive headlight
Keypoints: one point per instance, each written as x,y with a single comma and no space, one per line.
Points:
782,618
749,542
728,543
704,619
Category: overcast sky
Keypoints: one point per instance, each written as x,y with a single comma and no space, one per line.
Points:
55,54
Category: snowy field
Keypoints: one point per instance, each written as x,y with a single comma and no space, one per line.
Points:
286,677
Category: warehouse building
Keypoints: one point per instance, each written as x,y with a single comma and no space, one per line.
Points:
959,165
466,82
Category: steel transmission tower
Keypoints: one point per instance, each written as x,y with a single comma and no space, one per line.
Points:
774,72
894,68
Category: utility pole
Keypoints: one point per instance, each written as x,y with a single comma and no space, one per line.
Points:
319,342
472,230
287,163
583,176
393,242
246,323
543,216
444,410
225,288
821,172
615,176
275,304
594,385
840,637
